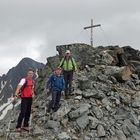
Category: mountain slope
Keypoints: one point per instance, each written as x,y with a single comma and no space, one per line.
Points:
101,106
9,81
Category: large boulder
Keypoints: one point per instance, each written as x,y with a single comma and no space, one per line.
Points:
78,52
83,109
64,136
83,121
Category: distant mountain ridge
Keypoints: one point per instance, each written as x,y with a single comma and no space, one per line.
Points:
8,82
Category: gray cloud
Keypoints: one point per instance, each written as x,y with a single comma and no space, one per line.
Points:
34,27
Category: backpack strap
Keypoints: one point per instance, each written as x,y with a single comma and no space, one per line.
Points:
64,58
72,63
71,58
24,86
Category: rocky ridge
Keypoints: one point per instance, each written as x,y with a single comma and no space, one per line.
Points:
102,107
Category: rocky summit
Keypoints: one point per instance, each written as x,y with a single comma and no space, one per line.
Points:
105,103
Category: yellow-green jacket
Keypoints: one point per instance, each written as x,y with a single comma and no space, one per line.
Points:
68,65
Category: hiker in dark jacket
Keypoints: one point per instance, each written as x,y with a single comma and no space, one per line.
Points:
68,65
56,84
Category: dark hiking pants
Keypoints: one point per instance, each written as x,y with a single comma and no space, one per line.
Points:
24,116
68,76
54,103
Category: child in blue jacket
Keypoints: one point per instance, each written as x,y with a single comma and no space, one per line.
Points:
57,85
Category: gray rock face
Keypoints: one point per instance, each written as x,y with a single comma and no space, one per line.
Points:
120,135
126,99
78,97
78,92
52,125
132,128
38,131
94,94
100,131
93,122
89,94
64,136
1,133
14,136
83,121
134,118
63,110
98,112
136,104
107,59
84,83
84,108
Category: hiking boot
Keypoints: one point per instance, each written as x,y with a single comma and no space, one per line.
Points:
26,129
18,129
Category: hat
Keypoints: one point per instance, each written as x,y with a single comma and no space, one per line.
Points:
68,51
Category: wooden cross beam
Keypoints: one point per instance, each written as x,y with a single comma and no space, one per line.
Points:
91,27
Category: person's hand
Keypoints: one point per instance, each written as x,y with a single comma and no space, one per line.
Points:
62,93
13,98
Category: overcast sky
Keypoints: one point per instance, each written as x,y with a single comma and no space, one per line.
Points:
33,28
